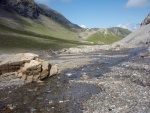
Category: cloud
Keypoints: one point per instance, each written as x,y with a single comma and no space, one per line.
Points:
130,26
137,3
83,26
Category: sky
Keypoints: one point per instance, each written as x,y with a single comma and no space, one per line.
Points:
102,13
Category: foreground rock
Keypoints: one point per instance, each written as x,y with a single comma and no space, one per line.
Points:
27,66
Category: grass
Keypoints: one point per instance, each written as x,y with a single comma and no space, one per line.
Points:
35,37
100,38
123,31
17,32
16,41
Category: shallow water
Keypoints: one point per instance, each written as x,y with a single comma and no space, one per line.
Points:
55,95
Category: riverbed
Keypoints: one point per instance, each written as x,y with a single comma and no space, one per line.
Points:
115,82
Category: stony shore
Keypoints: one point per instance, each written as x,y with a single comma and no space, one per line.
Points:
122,76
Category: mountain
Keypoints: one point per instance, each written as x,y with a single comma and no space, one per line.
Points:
104,36
139,37
28,8
56,16
24,25
119,31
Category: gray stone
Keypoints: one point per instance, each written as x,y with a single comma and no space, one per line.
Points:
45,70
54,71
32,68
85,76
146,20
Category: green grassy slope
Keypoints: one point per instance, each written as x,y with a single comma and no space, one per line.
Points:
121,31
17,32
107,36
100,38
21,33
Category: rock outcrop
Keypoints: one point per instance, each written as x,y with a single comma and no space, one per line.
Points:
27,8
146,20
28,67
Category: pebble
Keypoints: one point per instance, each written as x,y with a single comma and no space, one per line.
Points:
69,74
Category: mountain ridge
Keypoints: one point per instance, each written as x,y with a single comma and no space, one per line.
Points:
28,8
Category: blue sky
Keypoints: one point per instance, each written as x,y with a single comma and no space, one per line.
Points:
102,13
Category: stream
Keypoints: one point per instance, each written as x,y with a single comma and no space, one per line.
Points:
57,94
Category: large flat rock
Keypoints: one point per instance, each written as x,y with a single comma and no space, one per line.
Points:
28,67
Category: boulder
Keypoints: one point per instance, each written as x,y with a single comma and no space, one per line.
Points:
54,71
32,68
29,67
45,70
12,63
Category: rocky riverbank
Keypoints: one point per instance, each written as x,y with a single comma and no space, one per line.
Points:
95,82
125,89
24,68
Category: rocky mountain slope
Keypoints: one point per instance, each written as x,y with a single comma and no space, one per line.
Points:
29,8
56,16
146,20
140,37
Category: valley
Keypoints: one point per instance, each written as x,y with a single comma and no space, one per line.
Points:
51,65
45,29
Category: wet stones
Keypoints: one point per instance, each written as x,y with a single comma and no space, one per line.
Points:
143,55
29,67
146,54
85,76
